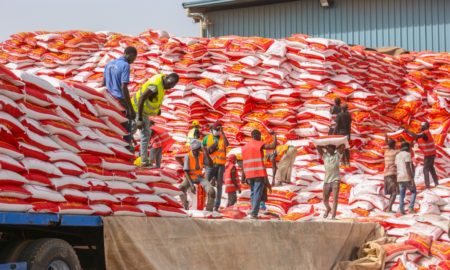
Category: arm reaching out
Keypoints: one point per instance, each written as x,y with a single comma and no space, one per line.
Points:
225,140
273,145
409,171
412,134
341,148
320,150
193,190
241,165
273,160
126,96
186,173
208,160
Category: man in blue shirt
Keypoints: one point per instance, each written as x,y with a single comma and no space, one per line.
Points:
116,77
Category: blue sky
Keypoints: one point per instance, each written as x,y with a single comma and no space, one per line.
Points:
125,16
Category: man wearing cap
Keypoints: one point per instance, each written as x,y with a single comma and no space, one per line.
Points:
428,147
254,170
216,143
194,132
147,102
194,162
405,177
231,180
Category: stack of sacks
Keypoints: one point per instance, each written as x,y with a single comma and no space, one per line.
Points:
423,236
427,86
336,70
287,85
62,152
246,82
57,54
160,53
279,202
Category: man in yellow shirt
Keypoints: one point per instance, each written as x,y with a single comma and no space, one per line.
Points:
147,102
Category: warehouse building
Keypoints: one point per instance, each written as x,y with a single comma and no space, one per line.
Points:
411,24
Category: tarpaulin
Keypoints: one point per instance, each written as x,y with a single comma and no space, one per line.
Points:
170,243
391,50
371,256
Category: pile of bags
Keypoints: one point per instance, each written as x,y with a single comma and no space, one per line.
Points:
287,85
62,152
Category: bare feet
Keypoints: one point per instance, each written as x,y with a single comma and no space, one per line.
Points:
325,215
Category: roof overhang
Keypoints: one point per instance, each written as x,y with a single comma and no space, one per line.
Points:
202,6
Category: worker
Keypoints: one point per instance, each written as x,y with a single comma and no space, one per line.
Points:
271,158
155,147
331,157
231,180
194,132
147,102
194,162
283,170
390,173
428,147
116,78
254,170
344,127
216,143
405,177
334,111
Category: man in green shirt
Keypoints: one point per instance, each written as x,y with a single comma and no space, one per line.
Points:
331,157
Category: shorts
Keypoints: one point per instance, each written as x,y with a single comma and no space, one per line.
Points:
332,186
390,185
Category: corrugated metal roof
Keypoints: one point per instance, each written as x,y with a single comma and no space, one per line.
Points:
415,25
211,5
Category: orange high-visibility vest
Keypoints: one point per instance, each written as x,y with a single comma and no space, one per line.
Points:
252,159
428,147
219,157
193,172
228,182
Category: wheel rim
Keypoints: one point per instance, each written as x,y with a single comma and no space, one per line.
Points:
58,265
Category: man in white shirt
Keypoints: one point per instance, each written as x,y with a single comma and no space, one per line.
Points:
331,157
405,177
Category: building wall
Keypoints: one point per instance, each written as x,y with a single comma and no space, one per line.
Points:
410,24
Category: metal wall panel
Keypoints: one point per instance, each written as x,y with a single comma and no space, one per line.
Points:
410,24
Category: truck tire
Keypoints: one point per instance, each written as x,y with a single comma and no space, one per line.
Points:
50,254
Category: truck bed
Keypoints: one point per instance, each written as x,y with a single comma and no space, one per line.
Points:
36,219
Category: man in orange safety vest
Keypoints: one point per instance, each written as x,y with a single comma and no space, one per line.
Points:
428,147
254,170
